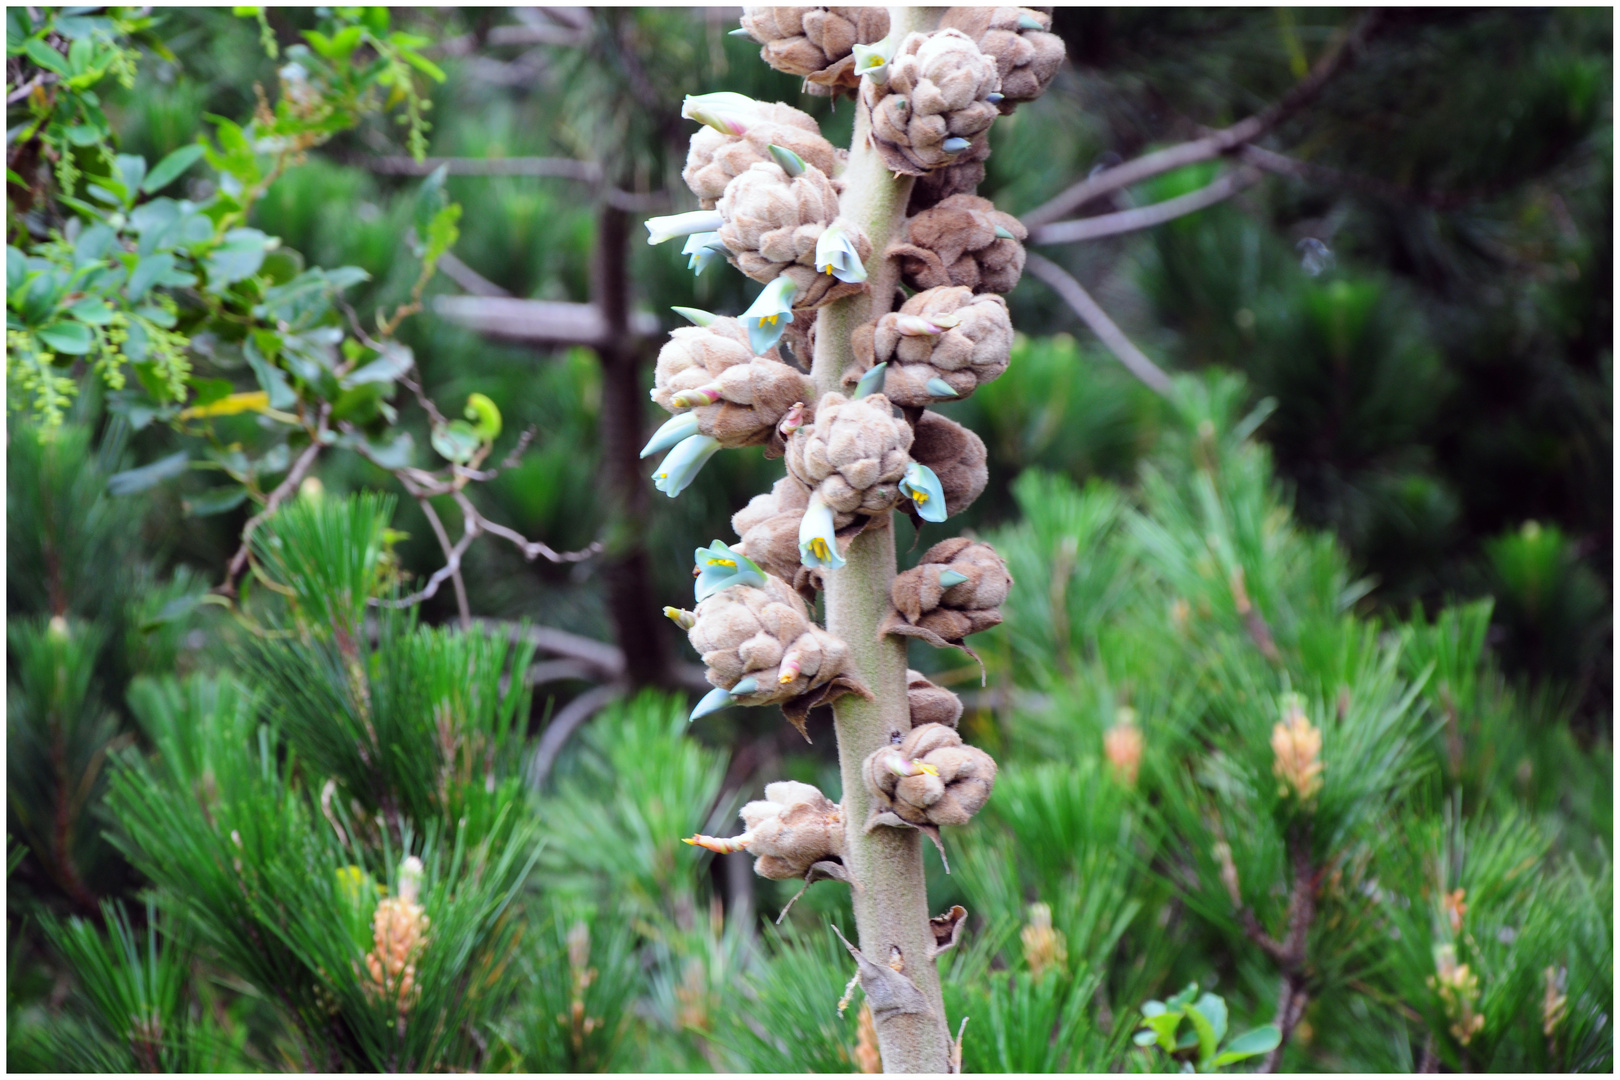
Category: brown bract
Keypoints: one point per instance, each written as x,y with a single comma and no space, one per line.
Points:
931,704
965,777
1027,60
936,90
816,43
962,177
794,827
956,243
943,615
713,157
755,391
854,455
766,634
963,356
956,455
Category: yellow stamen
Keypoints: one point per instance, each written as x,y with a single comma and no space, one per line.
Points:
920,497
818,548
924,767
787,677
768,320
722,562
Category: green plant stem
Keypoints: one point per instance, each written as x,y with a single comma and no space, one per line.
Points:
891,899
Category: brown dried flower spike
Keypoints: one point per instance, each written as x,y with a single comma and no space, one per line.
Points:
956,590
771,222
735,396
1027,54
759,644
794,827
816,43
854,455
931,778
964,240
714,157
934,101
942,344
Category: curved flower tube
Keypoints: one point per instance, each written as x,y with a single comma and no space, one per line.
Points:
818,544
683,463
767,317
922,487
836,255
726,112
702,249
872,381
660,229
676,429
720,567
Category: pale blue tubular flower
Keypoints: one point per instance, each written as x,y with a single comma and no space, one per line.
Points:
660,229
1029,22
921,486
818,545
949,578
677,429
695,316
727,113
955,144
719,567
713,701
872,381
683,463
702,249
873,60
791,163
836,255
769,315
939,388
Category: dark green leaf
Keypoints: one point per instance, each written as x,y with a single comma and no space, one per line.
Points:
146,273
394,455
16,270
45,56
169,169
395,361
270,378
214,501
131,170
92,310
71,338
131,481
93,244
1261,1040
238,257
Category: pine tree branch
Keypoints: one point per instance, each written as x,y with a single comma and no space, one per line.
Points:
295,476
1216,143
1146,217
1075,295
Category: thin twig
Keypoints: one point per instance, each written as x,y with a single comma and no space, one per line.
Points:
295,476
468,278
1145,217
445,546
1075,295
531,549
1214,144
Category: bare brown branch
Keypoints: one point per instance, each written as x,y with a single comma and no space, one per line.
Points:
1075,295
1145,217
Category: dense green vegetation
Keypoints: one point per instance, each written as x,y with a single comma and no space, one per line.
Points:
1374,511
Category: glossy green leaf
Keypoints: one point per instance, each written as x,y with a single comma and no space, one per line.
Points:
1262,1040
146,274
45,56
71,338
169,169
238,257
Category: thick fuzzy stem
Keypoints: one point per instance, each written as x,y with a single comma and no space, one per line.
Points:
891,903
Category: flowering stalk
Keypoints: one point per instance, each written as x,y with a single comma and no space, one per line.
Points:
891,908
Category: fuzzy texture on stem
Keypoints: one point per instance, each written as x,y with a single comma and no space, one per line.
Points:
891,907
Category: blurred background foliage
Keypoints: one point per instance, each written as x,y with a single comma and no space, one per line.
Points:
1421,507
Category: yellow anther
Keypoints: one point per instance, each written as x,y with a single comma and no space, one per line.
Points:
722,562
920,497
769,320
818,548
924,767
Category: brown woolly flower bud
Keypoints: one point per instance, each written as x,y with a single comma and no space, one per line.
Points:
1123,745
931,778
854,455
769,530
964,240
399,933
1027,54
942,344
714,157
771,223
956,455
734,396
931,704
816,43
790,830
962,177
933,103
956,590
760,645
1297,746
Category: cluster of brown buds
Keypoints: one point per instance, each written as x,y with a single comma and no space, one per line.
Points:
774,205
